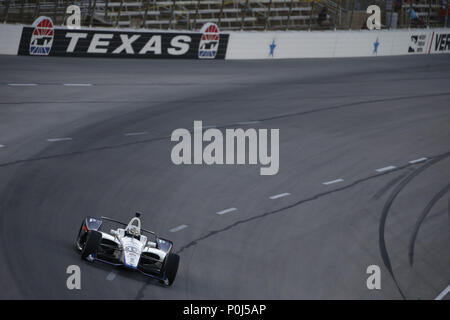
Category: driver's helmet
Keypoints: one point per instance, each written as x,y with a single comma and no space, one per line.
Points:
132,231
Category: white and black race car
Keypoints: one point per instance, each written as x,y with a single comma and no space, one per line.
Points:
128,247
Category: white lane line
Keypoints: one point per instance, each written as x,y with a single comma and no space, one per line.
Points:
2,146
179,228
59,139
226,211
77,84
22,84
443,293
111,276
129,134
385,169
281,195
247,122
418,160
332,181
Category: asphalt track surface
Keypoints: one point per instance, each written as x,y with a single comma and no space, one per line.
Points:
338,119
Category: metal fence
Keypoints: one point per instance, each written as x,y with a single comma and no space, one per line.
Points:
233,14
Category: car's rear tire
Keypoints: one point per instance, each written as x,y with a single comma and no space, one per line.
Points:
171,267
92,242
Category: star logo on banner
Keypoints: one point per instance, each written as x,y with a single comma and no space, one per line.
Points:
376,44
272,47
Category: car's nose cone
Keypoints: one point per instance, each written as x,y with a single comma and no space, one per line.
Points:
131,259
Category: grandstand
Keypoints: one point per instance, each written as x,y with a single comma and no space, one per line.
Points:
228,14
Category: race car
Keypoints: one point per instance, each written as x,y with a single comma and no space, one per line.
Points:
128,247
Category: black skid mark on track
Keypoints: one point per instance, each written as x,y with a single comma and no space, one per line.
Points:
421,219
194,242
80,152
387,206
140,293
354,104
388,186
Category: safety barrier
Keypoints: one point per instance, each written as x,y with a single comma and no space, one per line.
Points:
44,39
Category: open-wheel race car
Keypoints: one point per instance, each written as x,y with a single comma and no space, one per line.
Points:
128,247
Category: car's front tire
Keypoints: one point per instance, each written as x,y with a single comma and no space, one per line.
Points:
80,238
171,267
93,239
